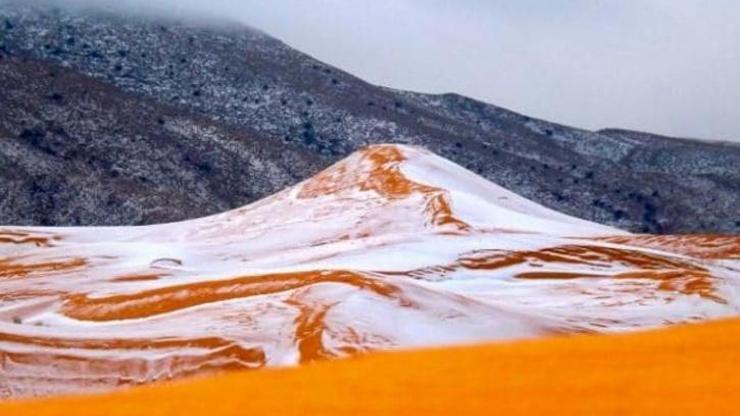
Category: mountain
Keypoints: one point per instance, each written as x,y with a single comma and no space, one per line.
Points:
75,150
113,120
392,247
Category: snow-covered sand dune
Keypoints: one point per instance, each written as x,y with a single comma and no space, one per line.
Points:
393,247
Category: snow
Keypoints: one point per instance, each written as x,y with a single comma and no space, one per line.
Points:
380,271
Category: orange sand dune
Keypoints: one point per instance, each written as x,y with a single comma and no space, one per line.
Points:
681,370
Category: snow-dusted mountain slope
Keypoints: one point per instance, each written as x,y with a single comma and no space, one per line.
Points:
189,119
392,247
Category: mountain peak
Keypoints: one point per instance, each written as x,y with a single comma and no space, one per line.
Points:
448,194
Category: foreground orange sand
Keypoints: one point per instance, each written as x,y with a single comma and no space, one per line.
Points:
682,370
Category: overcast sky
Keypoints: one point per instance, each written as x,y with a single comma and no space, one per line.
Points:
666,66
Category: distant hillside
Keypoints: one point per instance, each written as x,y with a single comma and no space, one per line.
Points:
114,120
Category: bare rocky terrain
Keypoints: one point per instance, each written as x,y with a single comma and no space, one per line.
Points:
129,120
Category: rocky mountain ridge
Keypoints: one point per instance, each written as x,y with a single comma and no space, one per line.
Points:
229,115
